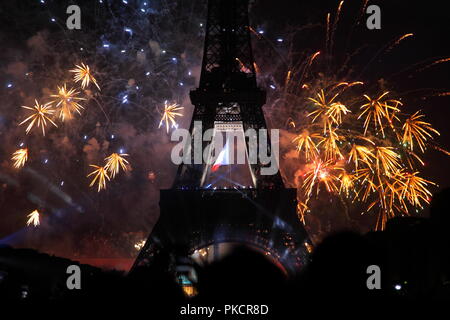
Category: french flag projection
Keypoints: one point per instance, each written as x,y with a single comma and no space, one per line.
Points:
223,159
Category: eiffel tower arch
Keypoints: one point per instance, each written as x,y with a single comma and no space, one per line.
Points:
205,210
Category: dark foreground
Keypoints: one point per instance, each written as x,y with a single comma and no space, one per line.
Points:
412,254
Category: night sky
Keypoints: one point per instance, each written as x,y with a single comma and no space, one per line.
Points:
146,52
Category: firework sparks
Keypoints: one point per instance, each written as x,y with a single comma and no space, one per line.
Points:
20,157
347,162
41,114
327,33
414,188
396,43
353,146
359,154
376,110
83,73
435,63
306,144
313,57
330,110
387,160
367,178
288,78
418,130
321,172
335,24
114,162
302,208
170,112
67,102
330,145
335,112
347,182
100,176
33,218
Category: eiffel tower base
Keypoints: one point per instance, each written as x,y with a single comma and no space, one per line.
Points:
265,220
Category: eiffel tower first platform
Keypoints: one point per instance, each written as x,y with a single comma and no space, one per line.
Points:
207,211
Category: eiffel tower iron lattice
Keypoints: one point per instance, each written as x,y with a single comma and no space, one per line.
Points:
204,209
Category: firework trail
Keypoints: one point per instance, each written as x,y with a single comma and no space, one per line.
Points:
439,61
335,25
396,43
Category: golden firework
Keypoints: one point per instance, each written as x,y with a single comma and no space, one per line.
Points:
114,162
353,144
67,102
414,188
369,185
336,111
330,145
83,73
414,129
321,173
347,182
378,109
169,115
100,176
345,159
20,157
41,114
359,154
330,110
306,144
302,209
33,218
387,161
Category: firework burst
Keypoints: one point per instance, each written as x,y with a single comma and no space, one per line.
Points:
83,73
387,161
357,147
414,188
305,143
375,110
346,182
330,145
20,157
100,176
169,115
328,109
414,129
321,173
40,117
67,102
358,154
33,218
356,165
114,162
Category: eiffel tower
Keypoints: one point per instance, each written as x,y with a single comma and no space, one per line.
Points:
207,211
